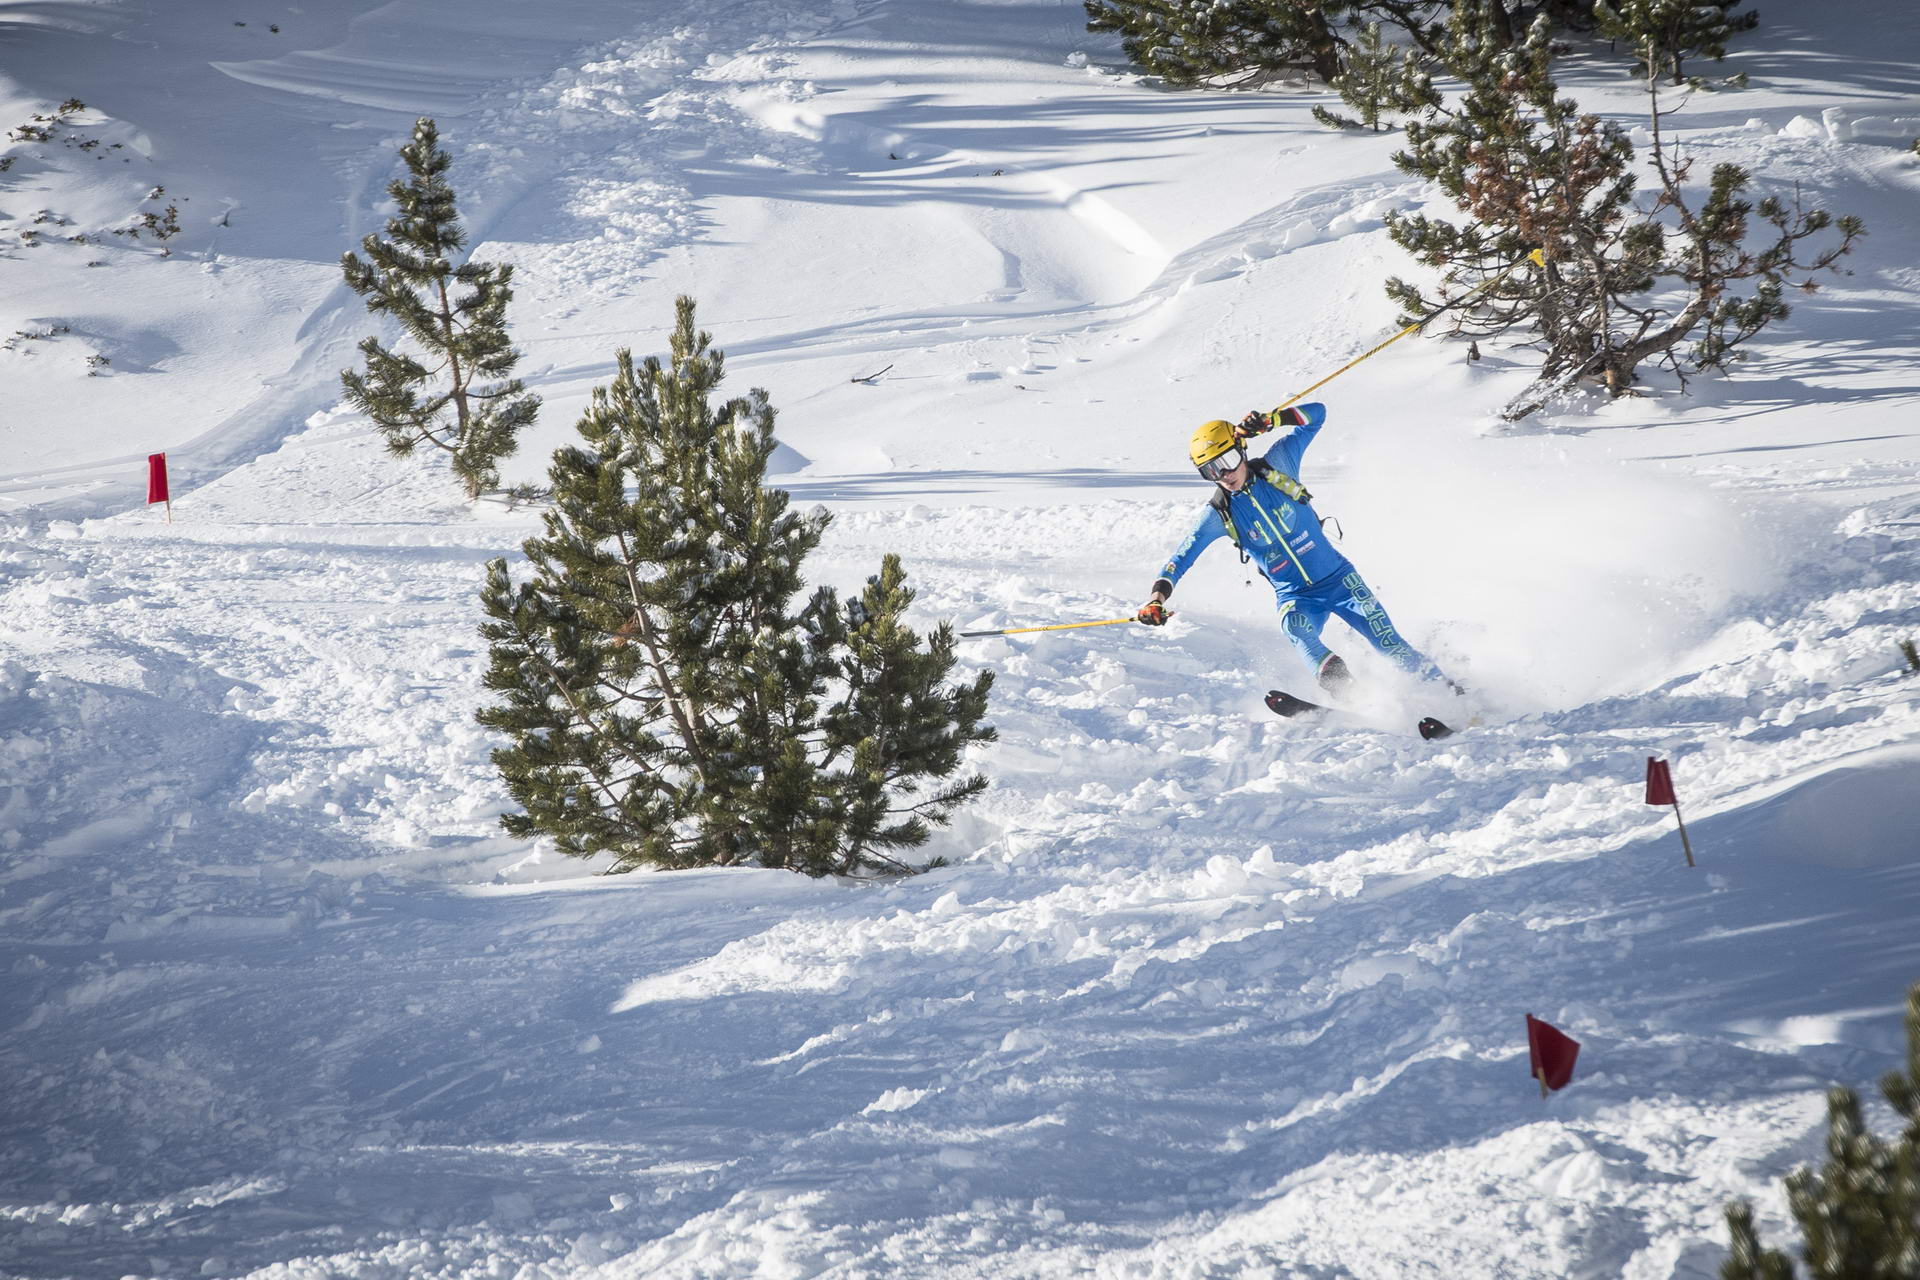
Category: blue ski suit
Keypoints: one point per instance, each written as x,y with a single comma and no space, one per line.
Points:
1280,532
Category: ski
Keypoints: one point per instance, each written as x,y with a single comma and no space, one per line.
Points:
1288,707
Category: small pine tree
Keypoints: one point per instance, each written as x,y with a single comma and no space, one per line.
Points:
896,719
1247,43
464,402
1240,44
1530,171
1860,1214
1665,33
1377,79
1747,1258
664,699
1715,252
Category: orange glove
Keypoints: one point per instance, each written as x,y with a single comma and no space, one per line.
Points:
1153,613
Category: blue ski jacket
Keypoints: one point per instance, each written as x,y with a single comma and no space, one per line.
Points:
1278,532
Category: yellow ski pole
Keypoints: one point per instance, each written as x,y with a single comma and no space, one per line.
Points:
1058,626
1534,257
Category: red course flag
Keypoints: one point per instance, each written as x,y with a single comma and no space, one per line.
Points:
1659,782
157,478
1660,791
1550,1054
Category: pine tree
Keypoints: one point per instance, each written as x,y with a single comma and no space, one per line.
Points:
459,396
896,718
1747,1258
1247,43
1508,20
1860,1214
1529,170
1569,15
1378,79
664,698
1665,33
1623,282
1242,44
1714,252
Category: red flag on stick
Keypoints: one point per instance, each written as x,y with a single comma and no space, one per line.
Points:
157,482
1660,791
1550,1054
1659,782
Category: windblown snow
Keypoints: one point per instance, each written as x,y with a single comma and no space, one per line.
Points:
1201,992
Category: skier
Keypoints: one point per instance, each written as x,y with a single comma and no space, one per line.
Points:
1259,504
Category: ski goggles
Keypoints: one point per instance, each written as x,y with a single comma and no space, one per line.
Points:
1214,468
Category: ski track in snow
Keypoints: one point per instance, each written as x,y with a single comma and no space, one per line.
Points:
1203,993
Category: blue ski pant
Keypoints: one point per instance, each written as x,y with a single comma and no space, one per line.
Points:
1304,611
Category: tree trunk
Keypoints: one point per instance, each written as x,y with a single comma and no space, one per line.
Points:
1634,353
460,411
1500,23
1325,49
1614,368
1575,15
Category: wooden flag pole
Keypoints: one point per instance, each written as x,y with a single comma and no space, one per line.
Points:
1685,843
1660,790
1540,1074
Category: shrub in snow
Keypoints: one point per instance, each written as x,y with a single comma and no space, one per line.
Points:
1247,43
459,398
1664,33
1623,282
163,225
1860,1213
41,127
1244,43
665,701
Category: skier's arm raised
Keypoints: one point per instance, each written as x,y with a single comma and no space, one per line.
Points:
1304,421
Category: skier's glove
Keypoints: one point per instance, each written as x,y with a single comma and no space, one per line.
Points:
1288,418
1255,423
1153,613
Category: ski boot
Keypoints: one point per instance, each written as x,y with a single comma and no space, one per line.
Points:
1333,675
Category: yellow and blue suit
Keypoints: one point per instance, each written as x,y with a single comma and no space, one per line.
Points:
1279,531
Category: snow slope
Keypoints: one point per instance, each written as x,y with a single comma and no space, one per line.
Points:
1203,993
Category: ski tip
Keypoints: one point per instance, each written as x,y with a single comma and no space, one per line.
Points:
1285,704
1433,730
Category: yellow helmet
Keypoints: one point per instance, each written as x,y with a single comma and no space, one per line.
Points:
1210,440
